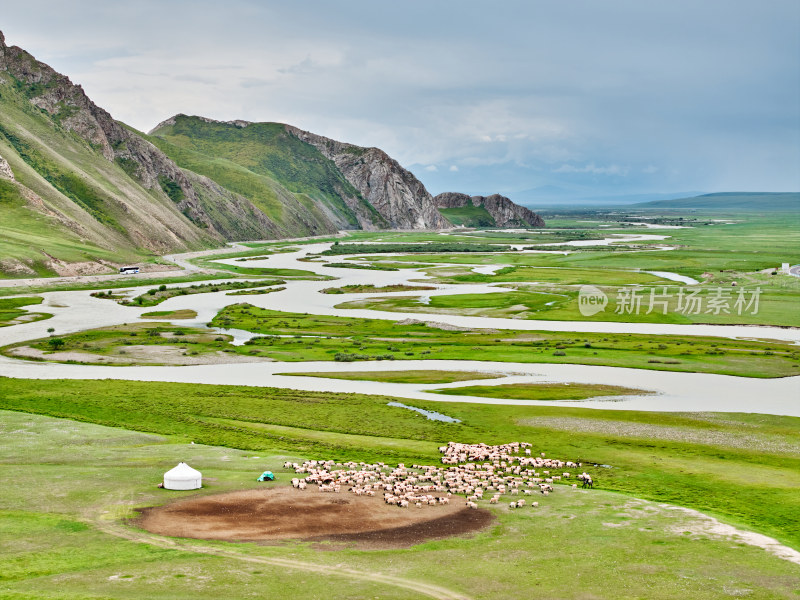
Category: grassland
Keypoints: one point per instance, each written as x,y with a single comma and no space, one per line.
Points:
183,313
155,296
289,180
701,463
11,313
750,305
469,216
541,391
211,262
42,286
368,288
299,337
400,376
409,248
64,540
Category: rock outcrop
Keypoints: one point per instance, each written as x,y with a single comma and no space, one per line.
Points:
5,170
69,105
396,194
504,212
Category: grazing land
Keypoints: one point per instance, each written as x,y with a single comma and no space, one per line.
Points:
708,468
11,313
183,313
542,391
157,295
400,376
79,459
368,288
339,249
296,337
728,306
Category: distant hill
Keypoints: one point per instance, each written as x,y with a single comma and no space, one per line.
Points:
485,211
733,201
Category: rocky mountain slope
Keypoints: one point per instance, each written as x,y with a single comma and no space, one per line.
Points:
485,211
286,178
396,194
82,192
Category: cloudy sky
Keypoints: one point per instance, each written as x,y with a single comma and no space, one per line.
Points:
584,98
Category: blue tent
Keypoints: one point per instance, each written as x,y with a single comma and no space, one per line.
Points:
267,476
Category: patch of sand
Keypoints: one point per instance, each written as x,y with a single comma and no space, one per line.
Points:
703,525
147,355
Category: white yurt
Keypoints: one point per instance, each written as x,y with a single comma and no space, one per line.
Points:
183,477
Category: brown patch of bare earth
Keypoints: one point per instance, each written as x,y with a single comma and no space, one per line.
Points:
288,514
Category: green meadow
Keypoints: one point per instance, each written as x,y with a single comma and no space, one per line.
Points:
541,391
742,468
11,311
300,337
654,303
399,376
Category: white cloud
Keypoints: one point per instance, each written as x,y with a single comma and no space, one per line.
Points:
432,168
593,169
453,169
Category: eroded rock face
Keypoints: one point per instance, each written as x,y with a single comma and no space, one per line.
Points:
56,94
395,193
5,170
505,212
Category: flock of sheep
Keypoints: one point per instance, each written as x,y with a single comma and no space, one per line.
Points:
474,470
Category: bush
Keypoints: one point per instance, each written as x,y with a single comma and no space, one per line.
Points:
56,343
559,353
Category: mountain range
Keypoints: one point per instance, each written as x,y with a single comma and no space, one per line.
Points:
82,193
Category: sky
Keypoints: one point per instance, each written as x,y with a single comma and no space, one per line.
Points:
538,100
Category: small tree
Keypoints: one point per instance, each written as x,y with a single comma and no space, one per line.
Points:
56,343
50,330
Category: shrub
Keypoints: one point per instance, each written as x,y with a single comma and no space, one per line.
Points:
56,343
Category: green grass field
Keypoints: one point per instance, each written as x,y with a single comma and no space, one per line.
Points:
750,305
298,337
155,296
703,461
11,313
64,540
541,391
368,288
400,376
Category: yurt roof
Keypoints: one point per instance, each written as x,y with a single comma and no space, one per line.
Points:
183,471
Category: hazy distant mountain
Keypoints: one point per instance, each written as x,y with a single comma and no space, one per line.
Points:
551,195
734,201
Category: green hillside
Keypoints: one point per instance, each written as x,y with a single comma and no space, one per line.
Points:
469,216
66,203
284,177
733,201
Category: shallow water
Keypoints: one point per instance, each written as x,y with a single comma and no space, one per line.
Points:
428,414
77,311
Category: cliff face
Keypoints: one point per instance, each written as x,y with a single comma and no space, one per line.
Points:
5,169
396,194
69,106
501,209
189,211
